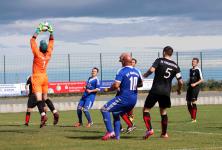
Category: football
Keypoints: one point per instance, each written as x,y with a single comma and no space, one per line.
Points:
45,27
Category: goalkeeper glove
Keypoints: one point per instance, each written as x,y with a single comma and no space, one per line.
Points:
40,28
50,29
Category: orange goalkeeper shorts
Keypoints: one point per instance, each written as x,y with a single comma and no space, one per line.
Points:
39,83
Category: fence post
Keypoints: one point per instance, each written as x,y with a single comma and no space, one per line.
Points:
131,54
69,67
101,67
177,55
158,54
4,71
201,61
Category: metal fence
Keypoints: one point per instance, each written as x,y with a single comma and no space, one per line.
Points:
73,67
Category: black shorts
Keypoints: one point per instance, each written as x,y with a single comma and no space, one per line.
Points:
151,99
192,93
32,102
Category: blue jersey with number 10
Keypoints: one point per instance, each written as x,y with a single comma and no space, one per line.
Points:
128,78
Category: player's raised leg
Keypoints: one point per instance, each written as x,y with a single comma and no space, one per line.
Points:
149,103
147,121
53,110
129,123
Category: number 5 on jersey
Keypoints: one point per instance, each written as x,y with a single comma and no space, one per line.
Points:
167,73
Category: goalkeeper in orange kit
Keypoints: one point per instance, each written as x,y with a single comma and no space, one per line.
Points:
42,55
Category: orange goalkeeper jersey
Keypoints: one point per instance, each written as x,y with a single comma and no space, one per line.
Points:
40,60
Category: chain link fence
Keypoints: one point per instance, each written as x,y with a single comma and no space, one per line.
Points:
77,67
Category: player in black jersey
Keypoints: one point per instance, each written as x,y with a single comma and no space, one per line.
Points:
165,70
195,80
32,102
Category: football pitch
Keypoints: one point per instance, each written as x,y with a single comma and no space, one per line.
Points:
206,134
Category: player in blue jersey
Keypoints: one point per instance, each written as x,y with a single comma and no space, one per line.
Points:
129,116
127,80
87,100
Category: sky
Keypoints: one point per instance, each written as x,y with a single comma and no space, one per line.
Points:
113,25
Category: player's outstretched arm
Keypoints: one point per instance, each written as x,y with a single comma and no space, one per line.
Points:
149,72
51,39
38,30
115,86
33,39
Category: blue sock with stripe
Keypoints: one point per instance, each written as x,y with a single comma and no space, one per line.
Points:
88,117
107,121
117,124
79,113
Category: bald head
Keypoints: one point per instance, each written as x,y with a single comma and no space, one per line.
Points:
126,59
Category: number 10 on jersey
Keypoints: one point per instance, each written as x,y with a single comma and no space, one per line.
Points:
133,83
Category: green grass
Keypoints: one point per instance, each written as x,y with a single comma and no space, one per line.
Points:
203,135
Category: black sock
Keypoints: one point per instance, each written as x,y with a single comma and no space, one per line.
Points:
50,105
164,123
40,105
189,107
194,106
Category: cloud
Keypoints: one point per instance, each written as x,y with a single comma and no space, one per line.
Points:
32,9
156,43
100,34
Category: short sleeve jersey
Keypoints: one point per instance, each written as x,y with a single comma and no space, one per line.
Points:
91,84
195,75
165,71
128,78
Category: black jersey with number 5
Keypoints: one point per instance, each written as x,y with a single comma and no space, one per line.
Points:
165,71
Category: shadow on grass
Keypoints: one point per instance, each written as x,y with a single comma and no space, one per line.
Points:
71,126
215,127
85,131
10,125
85,137
100,137
19,131
11,131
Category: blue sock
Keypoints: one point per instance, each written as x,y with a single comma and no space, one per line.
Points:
107,121
87,114
79,113
117,124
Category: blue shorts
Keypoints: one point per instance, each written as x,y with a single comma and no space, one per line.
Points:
119,105
86,103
